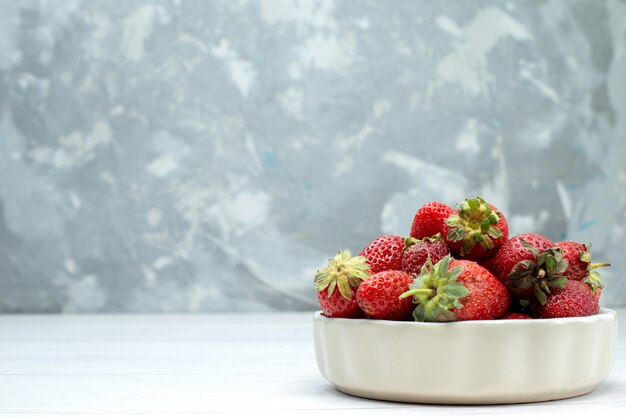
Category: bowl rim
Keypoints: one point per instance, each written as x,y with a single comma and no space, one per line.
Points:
604,314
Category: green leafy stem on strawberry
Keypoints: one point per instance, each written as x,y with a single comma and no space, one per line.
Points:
343,272
593,277
475,223
546,271
410,241
436,291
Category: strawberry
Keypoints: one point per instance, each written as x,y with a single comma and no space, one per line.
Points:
512,252
416,252
429,219
476,230
574,299
384,253
572,252
457,290
516,315
336,285
580,266
379,296
535,276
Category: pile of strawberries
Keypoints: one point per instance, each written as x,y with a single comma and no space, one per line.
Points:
460,265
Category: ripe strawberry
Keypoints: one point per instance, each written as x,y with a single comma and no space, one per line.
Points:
457,290
516,315
572,252
336,283
476,222
580,266
379,296
429,219
575,299
384,253
416,252
512,252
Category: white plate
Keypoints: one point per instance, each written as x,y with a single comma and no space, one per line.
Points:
470,362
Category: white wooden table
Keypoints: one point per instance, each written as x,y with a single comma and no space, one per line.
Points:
215,365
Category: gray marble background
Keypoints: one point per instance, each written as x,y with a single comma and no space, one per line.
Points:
210,156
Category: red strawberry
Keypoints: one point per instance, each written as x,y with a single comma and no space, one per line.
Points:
379,296
384,253
416,252
516,315
512,252
572,252
336,283
580,266
575,299
476,230
429,219
457,290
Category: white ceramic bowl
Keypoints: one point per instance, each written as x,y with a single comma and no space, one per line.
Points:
473,362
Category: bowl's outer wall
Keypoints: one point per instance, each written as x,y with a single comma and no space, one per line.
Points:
467,362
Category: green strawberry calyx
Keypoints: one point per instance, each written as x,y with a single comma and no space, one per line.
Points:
410,241
343,272
593,277
436,292
475,223
543,273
